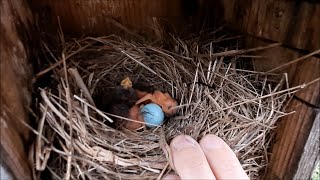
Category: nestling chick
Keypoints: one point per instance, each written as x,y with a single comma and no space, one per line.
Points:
134,114
125,106
125,93
127,101
121,102
167,103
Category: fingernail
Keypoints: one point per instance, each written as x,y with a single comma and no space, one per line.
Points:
212,142
182,142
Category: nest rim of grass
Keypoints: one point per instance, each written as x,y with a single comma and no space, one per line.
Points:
240,106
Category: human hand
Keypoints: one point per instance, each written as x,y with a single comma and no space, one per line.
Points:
211,158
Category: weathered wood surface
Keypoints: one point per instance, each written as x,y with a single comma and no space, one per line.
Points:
296,132
15,94
310,153
105,17
294,23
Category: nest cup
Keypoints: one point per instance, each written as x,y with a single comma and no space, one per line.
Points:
215,96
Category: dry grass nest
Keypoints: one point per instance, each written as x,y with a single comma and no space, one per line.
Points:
75,139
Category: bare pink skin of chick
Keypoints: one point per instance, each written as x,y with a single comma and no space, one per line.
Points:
167,103
135,114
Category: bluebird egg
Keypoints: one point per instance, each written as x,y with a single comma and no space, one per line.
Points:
152,114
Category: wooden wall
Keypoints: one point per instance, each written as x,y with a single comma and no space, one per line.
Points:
20,22
296,25
295,145
15,73
292,22
102,17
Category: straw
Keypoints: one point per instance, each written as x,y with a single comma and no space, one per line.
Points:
215,96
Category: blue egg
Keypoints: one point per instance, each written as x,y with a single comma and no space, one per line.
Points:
152,114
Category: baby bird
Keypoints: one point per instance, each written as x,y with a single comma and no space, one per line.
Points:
127,101
164,100
125,93
134,114
122,103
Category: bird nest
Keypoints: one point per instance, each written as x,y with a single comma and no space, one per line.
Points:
76,139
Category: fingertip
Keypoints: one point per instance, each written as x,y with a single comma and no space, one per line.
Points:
177,139
181,142
211,141
171,177
188,159
221,158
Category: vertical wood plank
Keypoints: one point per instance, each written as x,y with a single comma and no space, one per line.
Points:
295,128
311,149
289,153
15,74
101,16
294,23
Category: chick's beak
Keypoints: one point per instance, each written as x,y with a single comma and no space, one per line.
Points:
126,83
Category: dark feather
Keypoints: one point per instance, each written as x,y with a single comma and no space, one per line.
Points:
143,87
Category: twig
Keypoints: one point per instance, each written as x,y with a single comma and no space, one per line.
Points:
149,69
56,64
237,52
94,108
39,166
68,97
75,74
163,171
266,96
295,61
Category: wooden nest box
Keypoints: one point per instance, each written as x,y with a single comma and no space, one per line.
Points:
294,24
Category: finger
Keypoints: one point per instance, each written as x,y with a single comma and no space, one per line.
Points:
189,160
222,160
171,177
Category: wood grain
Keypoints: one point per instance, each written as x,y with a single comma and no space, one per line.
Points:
15,93
294,23
289,153
311,152
294,129
103,17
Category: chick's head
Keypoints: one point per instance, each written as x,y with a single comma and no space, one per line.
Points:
167,103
